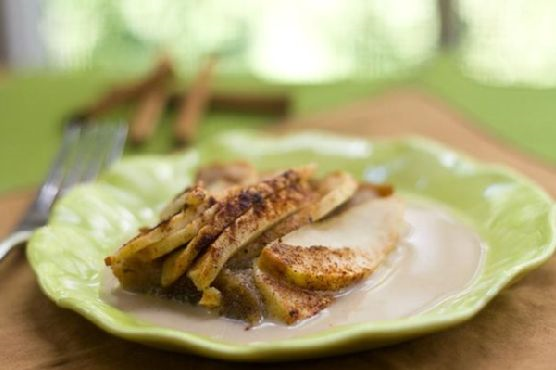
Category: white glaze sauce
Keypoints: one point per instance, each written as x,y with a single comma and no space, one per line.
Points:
438,257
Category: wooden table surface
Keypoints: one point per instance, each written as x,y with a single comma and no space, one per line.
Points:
517,330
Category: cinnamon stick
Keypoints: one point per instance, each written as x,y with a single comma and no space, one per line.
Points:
250,103
263,103
194,104
125,93
147,114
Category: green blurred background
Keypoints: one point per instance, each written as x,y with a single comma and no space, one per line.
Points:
494,61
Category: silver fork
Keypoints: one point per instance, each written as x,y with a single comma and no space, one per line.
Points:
86,149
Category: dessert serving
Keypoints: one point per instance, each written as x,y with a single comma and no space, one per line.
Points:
246,244
311,260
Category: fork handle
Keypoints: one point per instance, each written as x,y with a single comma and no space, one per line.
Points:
13,240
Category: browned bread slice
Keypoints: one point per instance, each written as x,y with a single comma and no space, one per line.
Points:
243,230
197,201
223,213
329,193
335,189
289,303
191,196
135,274
243,258
317,267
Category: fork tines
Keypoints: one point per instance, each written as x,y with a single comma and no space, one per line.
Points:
86,149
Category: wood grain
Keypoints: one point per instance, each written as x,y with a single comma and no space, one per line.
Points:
517,328
12,206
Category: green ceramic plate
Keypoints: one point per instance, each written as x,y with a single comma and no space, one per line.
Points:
513,216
